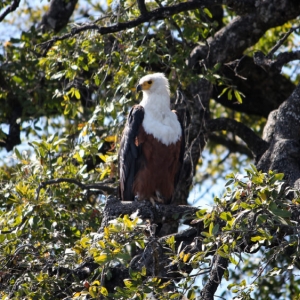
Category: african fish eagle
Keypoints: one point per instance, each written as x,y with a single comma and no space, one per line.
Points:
152,145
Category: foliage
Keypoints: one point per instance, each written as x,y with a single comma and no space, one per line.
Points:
81,87
44,230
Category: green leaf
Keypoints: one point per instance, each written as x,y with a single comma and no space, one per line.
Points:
232,260
238,96
279,212
229,95
127,283
101,258
215,229
208,12
279,176
229,182
201,213
257,238
176,296
18,154
58,75
103,291
77,94
226,216
210,229
17,79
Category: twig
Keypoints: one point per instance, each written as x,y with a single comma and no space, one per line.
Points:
280,42
10,9
233,65
175,25
93,186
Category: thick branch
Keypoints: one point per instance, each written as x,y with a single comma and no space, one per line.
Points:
142,7
257,145
145,210
244,31
241,7
220,264
283,154
58,15
10,9
232,146
275,64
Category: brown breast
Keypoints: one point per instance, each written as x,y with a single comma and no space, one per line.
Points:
157,168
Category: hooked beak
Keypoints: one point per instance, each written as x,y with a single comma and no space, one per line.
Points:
138,87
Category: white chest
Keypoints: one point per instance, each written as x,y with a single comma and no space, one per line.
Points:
162,125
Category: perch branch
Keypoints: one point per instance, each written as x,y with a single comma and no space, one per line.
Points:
145,210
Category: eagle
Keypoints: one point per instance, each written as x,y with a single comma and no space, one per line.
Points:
152,145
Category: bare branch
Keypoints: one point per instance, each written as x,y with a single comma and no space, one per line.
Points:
256,144
281,41
94,186
10,9
232,146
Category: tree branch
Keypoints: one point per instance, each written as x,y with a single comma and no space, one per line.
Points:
231,41
281,41
232,146
145,210
94,186
283,154
10,9
220,264
58,15
275,64
154,15
142,7
257,145
241,7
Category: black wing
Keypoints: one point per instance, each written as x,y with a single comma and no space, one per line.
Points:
182,149
129,152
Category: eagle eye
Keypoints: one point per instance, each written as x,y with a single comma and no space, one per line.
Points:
150,81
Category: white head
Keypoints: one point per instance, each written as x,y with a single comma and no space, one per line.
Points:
159,120
156,83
